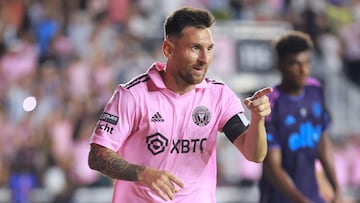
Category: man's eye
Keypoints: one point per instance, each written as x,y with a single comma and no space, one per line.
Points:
195,48
294,63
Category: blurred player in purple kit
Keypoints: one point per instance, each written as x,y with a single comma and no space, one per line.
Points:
296,129
157,134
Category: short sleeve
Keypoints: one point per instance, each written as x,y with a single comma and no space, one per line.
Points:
271,122
271,135
116,121
231,106
326,119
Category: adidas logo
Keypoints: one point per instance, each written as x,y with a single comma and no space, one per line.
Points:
157,118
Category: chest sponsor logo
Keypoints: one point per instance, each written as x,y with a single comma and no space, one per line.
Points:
308,136
109,118
158,143
201,116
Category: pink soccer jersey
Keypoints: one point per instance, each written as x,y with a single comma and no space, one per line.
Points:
149,125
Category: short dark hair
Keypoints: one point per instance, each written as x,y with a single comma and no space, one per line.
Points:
292,43
187,16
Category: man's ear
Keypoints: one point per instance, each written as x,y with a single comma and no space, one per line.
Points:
167,48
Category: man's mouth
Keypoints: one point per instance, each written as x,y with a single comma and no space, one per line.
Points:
199,70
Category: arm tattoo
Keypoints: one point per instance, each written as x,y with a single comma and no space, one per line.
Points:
111,164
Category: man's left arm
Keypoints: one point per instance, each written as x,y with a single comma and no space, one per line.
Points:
252,143
327,161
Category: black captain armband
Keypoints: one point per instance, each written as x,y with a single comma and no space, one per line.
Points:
236,126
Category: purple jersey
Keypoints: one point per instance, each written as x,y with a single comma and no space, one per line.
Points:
149,125
295,126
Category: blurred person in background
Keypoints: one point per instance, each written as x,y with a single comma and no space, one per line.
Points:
22,178
157,134
349,36
296,129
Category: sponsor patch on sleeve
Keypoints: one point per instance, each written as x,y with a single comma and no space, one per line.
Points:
109,118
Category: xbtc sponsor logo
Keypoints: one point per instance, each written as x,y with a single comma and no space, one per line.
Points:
158,143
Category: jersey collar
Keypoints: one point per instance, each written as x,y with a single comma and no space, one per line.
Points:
154,74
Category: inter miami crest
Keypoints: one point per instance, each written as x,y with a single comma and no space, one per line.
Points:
201,116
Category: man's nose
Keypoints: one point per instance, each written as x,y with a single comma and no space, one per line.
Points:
205,56
305,68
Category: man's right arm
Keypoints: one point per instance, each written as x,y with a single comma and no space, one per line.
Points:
111,164
279,177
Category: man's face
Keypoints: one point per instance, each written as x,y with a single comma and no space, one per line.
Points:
295,69
191,55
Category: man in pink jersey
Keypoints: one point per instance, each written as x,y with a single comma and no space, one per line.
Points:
157,135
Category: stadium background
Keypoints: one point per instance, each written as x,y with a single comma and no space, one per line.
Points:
60,61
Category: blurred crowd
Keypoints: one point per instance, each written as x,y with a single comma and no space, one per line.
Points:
61,60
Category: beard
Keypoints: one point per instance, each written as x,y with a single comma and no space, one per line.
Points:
193,78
